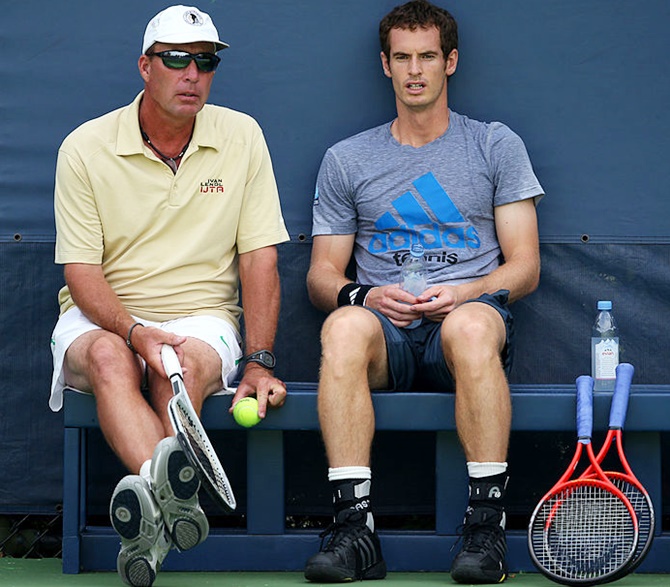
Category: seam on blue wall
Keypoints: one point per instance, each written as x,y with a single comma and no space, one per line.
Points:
18,238
301,238
594,239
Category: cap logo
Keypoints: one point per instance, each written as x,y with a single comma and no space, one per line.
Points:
193,18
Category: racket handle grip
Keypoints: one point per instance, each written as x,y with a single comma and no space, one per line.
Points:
624,376
584,408
171,361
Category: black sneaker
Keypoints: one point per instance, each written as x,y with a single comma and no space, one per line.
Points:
353,552
482,557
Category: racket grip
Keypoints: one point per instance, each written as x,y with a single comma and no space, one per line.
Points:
584,408
171,361
624,376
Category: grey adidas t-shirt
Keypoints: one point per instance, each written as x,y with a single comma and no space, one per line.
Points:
441,194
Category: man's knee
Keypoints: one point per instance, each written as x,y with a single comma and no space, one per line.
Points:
96,357
202,368
473,332
351,338
350,324
108,349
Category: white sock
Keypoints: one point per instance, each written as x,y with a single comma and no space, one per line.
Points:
340,473
145,471
486,469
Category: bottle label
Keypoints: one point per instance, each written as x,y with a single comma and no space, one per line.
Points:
606,357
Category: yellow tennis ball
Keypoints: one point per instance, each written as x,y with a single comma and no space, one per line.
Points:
245,412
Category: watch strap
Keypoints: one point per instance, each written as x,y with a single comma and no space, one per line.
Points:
264,358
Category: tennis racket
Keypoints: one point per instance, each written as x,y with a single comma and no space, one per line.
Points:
584,530
624,479
192,436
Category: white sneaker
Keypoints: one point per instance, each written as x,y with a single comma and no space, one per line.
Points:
175,488
138,520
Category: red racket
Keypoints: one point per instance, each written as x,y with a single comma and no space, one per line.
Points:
584,531
624,478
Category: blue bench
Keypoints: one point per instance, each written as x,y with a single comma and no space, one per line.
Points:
266,544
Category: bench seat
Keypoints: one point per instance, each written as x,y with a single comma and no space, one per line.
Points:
266,544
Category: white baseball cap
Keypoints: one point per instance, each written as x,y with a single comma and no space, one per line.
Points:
181,24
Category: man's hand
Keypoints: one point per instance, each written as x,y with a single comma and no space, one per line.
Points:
399,306
258,381
148,342
438,301
402,308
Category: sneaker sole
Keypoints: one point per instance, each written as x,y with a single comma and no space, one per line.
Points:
175,487
329,574
137,520
136,572
474,575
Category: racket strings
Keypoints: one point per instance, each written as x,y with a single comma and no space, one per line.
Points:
638,500
204,452
641,503
583,532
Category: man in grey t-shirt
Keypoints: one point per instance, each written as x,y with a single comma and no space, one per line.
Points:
465,190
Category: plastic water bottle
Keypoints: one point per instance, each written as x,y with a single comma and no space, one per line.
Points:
604,348
413,275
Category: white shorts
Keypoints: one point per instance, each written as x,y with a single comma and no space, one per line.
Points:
216,332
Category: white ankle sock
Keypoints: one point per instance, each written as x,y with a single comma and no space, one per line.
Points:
486,469
145,471
341,473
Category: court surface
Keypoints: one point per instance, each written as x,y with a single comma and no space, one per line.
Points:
47,573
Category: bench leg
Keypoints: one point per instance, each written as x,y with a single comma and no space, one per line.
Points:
265,473
73,478
643,451
451,489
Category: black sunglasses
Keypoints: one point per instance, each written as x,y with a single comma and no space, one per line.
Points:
206,62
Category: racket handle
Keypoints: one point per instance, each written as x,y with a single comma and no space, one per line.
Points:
171,361
584,408
624,376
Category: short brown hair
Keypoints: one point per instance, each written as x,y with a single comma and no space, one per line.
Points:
420,14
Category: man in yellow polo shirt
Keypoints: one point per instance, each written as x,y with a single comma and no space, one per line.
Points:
161,208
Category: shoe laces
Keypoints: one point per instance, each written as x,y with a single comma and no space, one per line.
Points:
343,530
480,530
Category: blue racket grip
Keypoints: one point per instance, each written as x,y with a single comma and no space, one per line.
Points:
624,376
584,407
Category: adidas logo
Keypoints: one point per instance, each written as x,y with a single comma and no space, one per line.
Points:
352,295
367,552
433,220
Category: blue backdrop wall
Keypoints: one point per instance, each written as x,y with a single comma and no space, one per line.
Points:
585,82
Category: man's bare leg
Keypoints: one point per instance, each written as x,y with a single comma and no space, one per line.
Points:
353,361
100,362
473,337
202,378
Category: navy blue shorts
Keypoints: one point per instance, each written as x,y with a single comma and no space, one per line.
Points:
415,355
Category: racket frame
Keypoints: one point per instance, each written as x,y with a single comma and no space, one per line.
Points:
181,402
646,518
560,495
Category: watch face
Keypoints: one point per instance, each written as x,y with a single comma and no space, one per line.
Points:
265,358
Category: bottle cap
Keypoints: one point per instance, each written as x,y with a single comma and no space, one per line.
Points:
416,250
604,305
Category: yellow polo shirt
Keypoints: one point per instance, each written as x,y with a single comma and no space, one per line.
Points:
167,243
